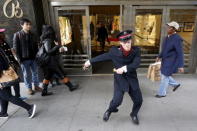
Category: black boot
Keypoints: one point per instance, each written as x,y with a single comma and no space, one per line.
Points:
71,86
45,90
57,81
106,115
135,119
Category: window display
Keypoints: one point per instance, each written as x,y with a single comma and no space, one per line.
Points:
65,30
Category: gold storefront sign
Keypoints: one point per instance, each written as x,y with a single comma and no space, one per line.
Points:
16,11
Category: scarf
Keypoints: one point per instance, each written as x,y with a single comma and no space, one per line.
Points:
125,53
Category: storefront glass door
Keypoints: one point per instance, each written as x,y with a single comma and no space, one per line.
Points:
73,25
148,32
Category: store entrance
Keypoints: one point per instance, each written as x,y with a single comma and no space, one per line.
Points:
105,24
148,27
73,25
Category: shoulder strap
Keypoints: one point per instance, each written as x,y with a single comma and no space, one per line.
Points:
5,57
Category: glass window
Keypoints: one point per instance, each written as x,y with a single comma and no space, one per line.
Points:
148,30
73,30
186,20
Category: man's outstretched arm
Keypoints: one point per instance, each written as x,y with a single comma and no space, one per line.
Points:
103,57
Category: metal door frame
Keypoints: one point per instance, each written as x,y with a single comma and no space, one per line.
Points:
88,39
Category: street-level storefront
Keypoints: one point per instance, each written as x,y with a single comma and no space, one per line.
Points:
77,24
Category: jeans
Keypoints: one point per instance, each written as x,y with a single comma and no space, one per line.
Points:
29,67
6,95
165,82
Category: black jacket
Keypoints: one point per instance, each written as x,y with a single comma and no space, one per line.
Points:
126,80
4,63
25,50
7,50
102,34
53,51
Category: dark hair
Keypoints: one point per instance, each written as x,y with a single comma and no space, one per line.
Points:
47,33
24,20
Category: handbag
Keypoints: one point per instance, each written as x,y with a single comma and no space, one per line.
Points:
8,77
42,58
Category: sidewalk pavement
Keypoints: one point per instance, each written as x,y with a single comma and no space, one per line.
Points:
82,110
12,109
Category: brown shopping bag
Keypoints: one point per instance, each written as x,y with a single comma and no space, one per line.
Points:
154,71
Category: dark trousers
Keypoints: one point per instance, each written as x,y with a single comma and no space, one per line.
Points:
17,90
135,95
51,70
102,42
6,96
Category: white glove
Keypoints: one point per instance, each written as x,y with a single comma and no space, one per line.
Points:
124,69
63,49
121,70
86,65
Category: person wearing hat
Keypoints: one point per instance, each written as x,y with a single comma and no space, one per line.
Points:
126,60
171,58
7,60
8,51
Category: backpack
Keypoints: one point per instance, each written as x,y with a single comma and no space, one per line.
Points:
42,58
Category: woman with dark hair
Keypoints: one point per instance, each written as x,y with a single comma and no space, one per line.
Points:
52,48
5,92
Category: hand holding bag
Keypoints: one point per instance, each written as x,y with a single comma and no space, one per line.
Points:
8,76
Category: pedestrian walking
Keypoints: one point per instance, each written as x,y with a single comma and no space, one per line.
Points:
171,58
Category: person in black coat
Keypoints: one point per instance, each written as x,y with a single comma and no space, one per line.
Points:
126,60
102,36
48,39
8,51
5,92
25,47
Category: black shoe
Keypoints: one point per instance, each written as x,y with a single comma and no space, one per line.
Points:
3,115
23,98
135,119
176,87
106,115
32,111
46,93
74,87
115,111
158,96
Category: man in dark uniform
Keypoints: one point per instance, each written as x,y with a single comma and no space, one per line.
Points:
126,60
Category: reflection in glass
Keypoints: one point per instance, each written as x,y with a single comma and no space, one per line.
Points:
186,20
106,18
73,35
73,30
148,29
